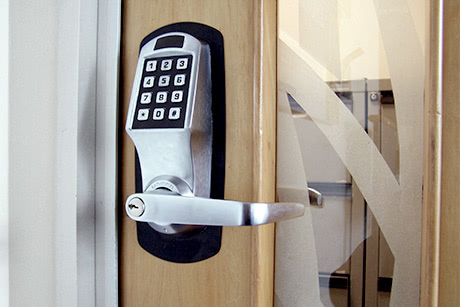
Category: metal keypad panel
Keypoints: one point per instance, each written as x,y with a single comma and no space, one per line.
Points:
163,92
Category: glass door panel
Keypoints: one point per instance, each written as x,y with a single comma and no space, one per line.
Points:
350,80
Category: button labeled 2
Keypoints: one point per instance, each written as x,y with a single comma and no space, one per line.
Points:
166,65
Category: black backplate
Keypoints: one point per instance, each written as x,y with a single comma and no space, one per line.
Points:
187,248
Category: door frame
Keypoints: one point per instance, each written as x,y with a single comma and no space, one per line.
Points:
88,55
441,208
106,164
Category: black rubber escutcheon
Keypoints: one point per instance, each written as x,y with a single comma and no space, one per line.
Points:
187,248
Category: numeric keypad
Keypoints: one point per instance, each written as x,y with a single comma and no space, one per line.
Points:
163,94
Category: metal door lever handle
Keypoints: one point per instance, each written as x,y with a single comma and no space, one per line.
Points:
164,207
316,198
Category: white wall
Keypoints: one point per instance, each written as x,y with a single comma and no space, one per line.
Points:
4,259
32,151
54,164
75,159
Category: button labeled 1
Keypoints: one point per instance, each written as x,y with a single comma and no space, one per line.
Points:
174,113
151,66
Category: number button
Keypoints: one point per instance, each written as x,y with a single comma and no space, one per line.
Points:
148,82
151,66
179,80
162,97
146,98
182,63
143,114
177,96
163,81
166,65
158,114
174,113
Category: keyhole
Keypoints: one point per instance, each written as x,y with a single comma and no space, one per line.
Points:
136,207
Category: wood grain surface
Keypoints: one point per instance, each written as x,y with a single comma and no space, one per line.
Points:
449,251
440,278
241,274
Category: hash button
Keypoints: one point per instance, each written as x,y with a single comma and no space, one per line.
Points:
174,113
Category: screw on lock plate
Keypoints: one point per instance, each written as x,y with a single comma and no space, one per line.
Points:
374,96
136,207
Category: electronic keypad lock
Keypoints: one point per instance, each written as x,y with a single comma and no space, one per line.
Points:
176,120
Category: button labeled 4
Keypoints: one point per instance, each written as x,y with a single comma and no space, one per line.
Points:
148,82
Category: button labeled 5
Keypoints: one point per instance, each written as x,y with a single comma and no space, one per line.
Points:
163,81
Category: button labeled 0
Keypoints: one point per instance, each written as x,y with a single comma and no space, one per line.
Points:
158,113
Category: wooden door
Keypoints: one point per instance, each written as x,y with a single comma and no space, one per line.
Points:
440,278
241,274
